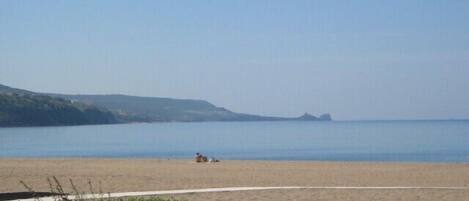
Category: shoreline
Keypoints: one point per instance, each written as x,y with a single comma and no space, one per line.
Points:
237,160
236,121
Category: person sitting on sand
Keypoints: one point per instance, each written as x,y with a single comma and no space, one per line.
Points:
200,158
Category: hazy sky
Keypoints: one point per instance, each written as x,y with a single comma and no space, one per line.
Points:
353,59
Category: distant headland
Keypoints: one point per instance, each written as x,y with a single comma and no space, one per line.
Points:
19,107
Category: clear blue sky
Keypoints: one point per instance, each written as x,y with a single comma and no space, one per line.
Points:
354,59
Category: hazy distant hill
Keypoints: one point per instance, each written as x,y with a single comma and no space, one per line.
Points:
156,109
7,89
168,109
163,109
152,109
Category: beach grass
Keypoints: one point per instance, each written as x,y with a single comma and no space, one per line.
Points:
57,191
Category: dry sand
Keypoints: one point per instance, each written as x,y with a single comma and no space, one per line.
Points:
119,175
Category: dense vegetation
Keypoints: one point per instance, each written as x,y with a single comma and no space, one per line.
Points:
41,110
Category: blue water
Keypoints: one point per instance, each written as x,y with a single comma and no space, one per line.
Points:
404,141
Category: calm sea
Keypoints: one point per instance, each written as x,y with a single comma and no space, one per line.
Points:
405,141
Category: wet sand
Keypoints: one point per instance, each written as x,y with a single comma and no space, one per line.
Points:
123,175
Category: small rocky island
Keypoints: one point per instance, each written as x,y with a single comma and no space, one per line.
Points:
309,117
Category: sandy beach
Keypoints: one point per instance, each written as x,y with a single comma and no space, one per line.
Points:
123,175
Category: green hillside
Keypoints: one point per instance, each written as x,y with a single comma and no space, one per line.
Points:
22,107
41,110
